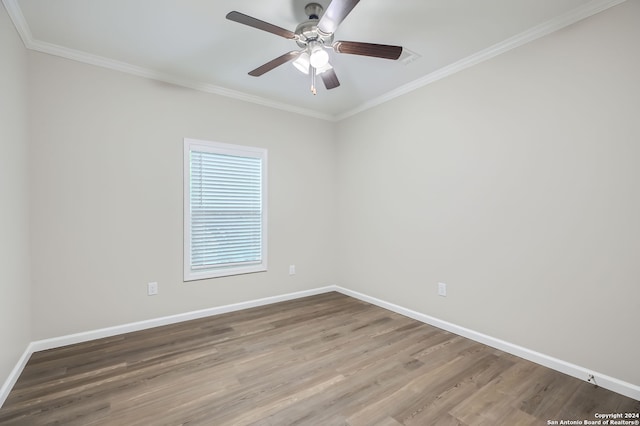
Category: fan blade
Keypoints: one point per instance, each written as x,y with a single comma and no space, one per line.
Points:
289,56
261,25
335,14
384,51
330,79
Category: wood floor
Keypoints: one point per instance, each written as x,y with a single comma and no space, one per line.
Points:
322,360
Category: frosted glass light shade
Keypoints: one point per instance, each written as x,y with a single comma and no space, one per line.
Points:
302,63
319,56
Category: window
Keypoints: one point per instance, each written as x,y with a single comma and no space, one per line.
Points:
225,215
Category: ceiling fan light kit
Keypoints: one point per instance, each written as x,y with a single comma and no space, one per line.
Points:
314,37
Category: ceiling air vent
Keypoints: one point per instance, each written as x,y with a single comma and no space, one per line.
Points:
408,56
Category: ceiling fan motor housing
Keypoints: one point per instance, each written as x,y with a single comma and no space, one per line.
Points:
308,30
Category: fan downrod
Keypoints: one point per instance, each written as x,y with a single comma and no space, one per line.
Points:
314,10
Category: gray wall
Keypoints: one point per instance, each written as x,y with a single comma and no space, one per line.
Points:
106,196
516,183
15,306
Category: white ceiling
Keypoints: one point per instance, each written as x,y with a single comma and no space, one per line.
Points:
189,42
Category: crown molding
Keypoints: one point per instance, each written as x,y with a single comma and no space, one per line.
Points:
555,24
15,13
103,62
546,28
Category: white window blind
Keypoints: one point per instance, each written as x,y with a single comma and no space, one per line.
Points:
224,210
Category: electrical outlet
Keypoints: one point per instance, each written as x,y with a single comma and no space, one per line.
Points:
292,269
442,289
152,289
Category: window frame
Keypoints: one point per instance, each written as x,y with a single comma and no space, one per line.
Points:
221,149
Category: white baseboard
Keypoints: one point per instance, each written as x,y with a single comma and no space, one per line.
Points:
602,380
607,382
15,373
56,342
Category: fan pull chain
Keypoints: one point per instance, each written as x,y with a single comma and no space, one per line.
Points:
313,80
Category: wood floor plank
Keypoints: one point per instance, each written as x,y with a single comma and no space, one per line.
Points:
323,360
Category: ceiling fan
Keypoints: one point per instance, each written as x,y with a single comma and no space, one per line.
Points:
315,37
